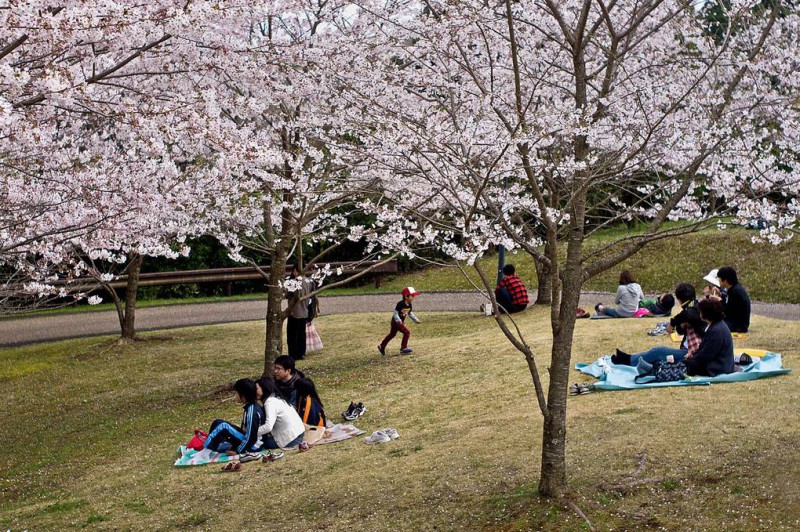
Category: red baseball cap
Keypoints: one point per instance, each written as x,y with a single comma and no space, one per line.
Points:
409,291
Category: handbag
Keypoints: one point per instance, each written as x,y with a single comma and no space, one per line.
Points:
313,341
314,433
664,372
198,440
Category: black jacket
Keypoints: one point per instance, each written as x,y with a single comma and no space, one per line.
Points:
715,354
736,308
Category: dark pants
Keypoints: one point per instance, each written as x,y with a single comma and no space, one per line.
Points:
296,337
397,326
504,300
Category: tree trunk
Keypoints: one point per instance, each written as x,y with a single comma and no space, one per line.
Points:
553,480
544,291
128,329
273,338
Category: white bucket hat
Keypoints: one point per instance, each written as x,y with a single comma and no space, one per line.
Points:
712,277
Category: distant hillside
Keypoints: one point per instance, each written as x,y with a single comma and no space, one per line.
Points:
770,273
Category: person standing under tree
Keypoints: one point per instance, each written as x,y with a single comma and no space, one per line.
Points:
511,294
298,317
401,310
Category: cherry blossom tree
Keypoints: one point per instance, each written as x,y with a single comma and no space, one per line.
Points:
177,118
102,146
533,124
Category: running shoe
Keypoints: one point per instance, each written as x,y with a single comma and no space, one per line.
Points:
659,330
249,457
350,414
271,456
378,437
359,410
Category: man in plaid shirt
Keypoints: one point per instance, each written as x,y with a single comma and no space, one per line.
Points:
511,294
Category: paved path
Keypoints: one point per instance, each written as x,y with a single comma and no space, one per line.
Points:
20,331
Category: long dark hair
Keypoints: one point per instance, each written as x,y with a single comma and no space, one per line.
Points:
305,387
268,387
246,388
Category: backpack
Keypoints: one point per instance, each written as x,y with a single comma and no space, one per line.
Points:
664,372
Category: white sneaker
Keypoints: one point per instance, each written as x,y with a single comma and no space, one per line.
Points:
392,433
378,436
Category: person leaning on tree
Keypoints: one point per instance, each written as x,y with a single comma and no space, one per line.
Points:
511,294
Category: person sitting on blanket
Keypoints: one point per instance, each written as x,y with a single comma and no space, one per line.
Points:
226,437
658,306
735,301
282,427
715,354
687,322
309,405
286,375
629,293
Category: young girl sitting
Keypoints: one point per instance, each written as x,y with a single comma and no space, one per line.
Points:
282,427
225,437
309,405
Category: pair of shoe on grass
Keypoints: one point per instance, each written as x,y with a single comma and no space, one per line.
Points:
581,389
382,436
236,465
354,411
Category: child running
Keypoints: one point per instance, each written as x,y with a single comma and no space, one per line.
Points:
401,310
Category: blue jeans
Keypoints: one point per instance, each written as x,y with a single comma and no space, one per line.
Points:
658,353
503,297
270,443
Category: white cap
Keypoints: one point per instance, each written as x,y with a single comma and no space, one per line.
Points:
712,277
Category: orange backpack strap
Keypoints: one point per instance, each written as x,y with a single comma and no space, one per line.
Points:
308,409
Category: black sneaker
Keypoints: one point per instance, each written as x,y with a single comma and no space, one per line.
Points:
350,413
382,350
359,410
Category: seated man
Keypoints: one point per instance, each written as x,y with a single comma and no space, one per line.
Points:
511,294
286,375
736,303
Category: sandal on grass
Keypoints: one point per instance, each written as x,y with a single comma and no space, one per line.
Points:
232,466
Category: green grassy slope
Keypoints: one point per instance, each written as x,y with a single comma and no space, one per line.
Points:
770,273
90,429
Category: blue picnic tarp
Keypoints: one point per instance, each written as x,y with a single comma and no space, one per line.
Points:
620,377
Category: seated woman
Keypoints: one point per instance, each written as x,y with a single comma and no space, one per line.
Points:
687,322
282,426
309,405
225,437
629,293
715,354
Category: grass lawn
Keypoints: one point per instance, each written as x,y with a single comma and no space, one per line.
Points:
90,431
